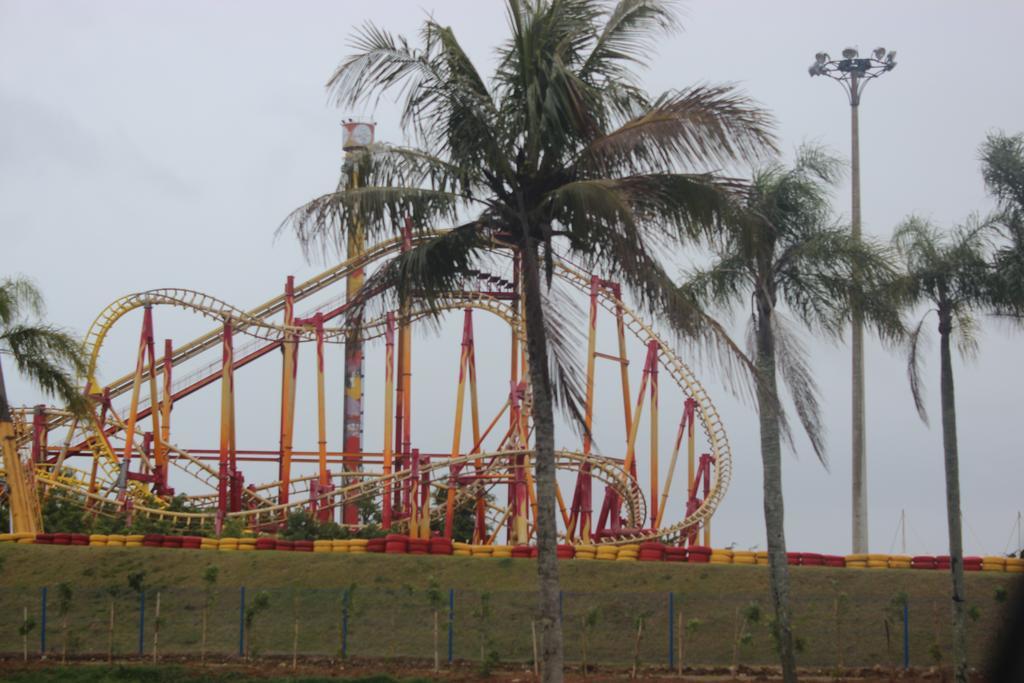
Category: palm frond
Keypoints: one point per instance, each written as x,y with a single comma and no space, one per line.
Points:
914,342
323,225
50,358
791,356
432,272
631,32
702,127
19,297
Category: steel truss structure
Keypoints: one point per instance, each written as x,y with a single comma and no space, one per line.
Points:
117,462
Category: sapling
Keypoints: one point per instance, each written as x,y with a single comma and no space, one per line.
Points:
745,618
588,623
260,604
842,605
640,619
64,597
156,627
27,624
209,591
112,593
692,626
488,657
436,602
295,631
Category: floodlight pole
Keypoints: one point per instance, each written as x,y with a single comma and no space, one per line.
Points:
853,73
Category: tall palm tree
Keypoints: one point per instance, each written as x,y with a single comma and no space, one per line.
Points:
782,248
48,356
560,150
1002,159
950,273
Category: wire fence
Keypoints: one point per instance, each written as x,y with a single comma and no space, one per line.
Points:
605,628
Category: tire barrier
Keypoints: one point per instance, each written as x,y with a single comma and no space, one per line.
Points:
400,544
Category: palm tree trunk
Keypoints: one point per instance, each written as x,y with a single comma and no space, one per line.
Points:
5,409
551,655
771,462
951,457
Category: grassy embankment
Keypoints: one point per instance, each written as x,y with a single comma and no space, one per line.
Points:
842,614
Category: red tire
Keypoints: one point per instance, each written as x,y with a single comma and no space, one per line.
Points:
282,544
396,547
440,546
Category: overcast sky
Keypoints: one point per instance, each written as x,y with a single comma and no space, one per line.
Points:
159,144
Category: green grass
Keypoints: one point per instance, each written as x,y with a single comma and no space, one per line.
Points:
166,674
390,615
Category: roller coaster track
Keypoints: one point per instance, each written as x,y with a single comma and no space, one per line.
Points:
261,502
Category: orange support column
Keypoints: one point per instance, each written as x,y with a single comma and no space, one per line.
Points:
227,461
289,365
133,410
389,409
460,394
653,346
165,419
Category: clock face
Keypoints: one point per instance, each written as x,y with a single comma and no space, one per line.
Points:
362,134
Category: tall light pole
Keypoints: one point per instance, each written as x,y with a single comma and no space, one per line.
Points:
853,73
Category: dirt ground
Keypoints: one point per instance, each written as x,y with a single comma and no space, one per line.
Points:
319,668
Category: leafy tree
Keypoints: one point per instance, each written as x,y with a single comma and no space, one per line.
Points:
950,273
781,247
300,526
560,150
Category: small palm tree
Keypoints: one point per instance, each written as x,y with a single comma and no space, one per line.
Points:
560,151
950,273
46,355
1002,159
782,247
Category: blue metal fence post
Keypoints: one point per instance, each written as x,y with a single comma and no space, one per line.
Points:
344,624
451,623
906,634
42,630
241,621
671,629
142,622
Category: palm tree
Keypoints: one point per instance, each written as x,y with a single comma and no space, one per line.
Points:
560,150
782,247
1002,159
46,355
950,273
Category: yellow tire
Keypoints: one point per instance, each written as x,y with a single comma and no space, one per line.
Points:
877,564
133,544
899,565
744,560
631,547
357,550
462,553
856,564
245,547
358,543
98,544
340,546
115,544
116,538
857,557
26,541
7,538
991,567
625,558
